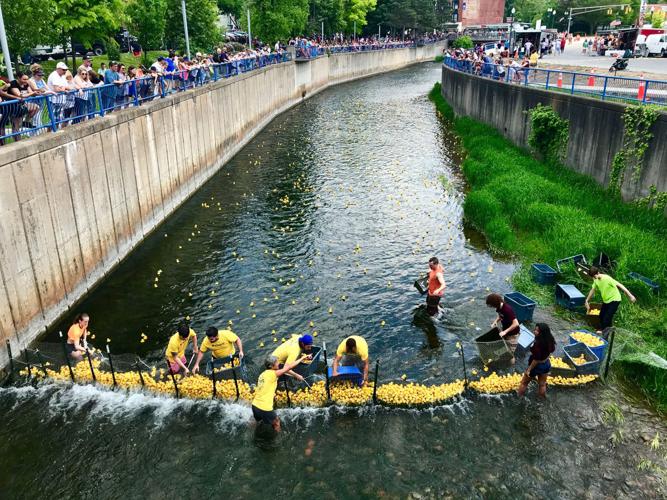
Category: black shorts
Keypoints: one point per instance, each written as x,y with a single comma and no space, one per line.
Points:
70,348
266,417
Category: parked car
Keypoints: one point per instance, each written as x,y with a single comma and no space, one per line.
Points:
236,36
657,45
126,41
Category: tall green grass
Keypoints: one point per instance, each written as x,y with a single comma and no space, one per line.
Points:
542,213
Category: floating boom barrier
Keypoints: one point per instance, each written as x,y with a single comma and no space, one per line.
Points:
392,394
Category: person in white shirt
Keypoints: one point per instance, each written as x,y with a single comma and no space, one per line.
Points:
58,84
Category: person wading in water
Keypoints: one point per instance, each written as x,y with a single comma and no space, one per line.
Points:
436,286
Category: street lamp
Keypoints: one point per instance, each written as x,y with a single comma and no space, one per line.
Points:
512,31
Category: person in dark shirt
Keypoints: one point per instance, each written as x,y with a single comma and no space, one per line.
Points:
539,365
506,320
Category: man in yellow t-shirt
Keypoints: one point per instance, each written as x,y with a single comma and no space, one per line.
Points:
353,351
175,352
611,296
292,349
221,343
265,392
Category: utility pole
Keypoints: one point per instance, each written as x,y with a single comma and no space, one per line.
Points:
355,31
249,32
185,28
5,48
322,31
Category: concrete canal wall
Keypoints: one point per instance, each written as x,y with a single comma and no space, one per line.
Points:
596,126
74,203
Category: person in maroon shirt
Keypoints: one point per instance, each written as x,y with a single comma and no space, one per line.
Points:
506,320
539,365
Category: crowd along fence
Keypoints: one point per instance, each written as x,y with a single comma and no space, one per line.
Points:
592,84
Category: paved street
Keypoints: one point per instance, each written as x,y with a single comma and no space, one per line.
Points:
653,67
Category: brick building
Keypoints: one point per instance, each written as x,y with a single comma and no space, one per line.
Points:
473,12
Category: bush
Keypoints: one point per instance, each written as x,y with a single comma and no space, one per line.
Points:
463,42
548,133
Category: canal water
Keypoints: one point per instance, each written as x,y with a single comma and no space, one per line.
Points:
327,216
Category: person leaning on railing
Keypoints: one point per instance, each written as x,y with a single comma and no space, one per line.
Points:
84,103
58,85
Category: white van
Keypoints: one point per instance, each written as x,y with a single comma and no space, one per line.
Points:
657,45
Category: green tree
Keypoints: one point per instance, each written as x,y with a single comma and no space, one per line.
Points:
147,22
87,21
202,24
422,15
655,18
274,20
332,12
356,11
234,7
28,23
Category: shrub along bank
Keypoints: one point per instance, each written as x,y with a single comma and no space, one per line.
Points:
540,211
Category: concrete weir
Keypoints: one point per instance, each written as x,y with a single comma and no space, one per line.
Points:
74,203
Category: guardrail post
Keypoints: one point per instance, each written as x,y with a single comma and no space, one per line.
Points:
136,92
90,363
574,76
547,83
113,373
161,79
645,91
525,79
101,101
604,87
49,108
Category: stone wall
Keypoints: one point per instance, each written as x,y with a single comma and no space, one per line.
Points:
596,126
74,203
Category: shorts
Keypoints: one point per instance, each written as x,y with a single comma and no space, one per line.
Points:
540,369
432,302
512,341
174,366
69,348
266,417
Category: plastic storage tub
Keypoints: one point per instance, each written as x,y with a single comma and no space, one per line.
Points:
592,364
492,348
525,340
569,297
422,285
594,319
598,351
523,306
653,286
543,274
350,373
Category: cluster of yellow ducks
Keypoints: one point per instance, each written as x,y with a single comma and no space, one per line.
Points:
587,338
345,394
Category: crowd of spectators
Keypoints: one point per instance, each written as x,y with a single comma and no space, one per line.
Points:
498,63
34,102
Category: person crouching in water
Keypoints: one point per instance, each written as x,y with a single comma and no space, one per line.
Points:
539,365
77,337
505,321
436,286
265,392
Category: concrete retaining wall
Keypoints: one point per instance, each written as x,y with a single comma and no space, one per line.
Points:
596,127
73,204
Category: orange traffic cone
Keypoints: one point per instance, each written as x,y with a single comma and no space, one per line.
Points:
642,89
591,79
560,80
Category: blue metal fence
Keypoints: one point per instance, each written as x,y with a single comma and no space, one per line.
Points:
23,118
605,87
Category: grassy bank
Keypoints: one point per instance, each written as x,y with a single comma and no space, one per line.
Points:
542,213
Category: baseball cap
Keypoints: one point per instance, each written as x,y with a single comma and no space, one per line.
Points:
306,339
61,65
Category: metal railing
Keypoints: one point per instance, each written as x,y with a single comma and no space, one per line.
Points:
605,87
23,118
316,51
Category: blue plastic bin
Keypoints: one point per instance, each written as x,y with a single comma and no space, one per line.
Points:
592,364
523,306
598,351
653,286
525,340
569,297
543,274
350,373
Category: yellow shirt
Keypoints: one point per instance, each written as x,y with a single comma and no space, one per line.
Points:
223,346
74,334
178,345
289,351
362,347
533,58
266,390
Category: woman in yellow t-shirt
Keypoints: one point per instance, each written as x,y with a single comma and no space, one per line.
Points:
265,392
76,333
